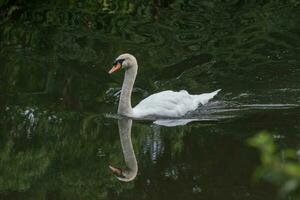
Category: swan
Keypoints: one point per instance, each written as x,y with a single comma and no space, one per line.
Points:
165,104
129,173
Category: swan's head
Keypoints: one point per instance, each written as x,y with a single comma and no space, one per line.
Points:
124,61
123,175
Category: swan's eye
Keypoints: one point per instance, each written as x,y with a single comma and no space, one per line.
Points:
120,61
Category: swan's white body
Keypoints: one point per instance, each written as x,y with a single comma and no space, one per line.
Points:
166,104
170,104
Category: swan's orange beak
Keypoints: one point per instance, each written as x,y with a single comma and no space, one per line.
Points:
116,171
115,68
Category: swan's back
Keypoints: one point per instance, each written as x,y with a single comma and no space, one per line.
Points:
170,104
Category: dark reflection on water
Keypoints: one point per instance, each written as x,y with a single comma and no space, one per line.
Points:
55,95
67,154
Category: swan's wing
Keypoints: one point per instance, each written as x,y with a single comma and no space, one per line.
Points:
166,104
205,97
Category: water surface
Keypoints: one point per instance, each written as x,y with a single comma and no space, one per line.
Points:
59,133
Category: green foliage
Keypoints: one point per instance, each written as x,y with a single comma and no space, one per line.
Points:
277,166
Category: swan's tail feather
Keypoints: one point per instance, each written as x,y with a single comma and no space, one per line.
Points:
204,98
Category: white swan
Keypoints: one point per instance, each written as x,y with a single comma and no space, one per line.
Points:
166,104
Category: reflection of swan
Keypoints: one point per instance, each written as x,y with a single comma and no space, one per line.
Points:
130,172
162,104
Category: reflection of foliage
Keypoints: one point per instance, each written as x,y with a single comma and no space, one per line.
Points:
284,171
64,152
62,48
20,169
176,139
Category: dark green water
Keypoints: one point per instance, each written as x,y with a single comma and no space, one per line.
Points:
58,129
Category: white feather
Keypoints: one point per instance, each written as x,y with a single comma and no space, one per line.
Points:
170,104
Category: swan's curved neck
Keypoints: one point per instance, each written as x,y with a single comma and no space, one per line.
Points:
125,99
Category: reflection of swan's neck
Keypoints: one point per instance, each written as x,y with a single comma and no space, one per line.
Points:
130,172
125,99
